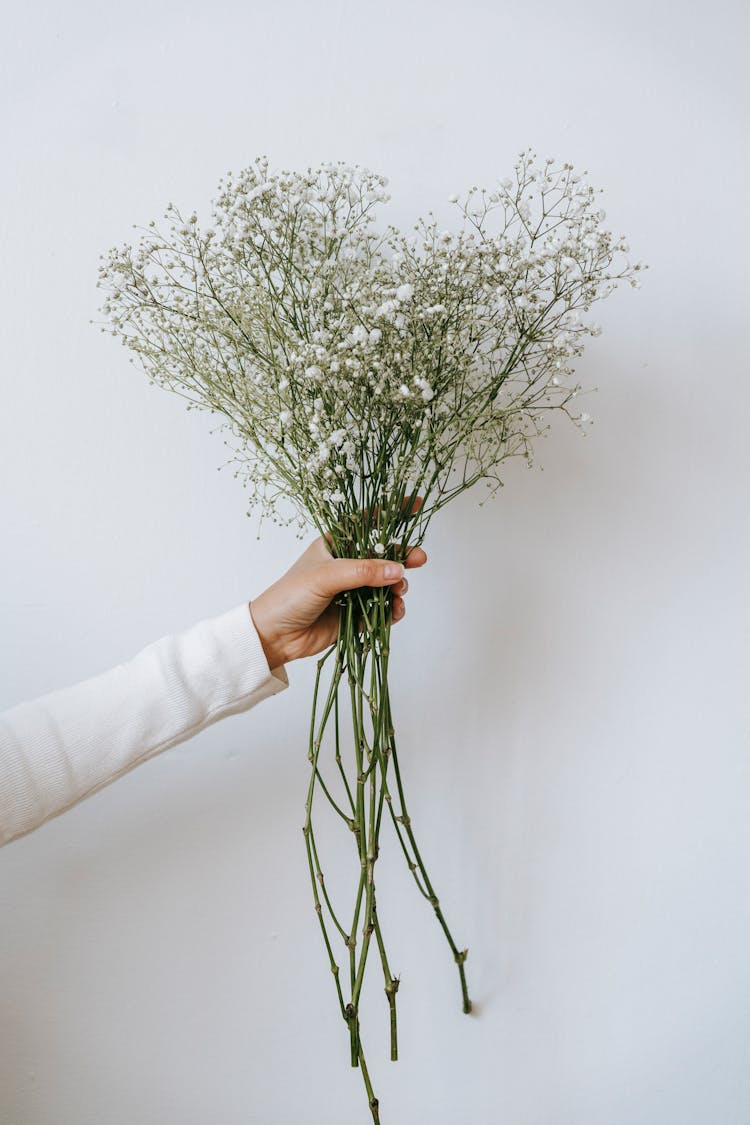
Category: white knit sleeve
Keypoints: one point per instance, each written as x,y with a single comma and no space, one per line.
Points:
61,747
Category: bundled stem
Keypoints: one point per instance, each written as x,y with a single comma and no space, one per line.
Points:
361,654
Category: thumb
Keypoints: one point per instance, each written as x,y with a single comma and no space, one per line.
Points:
348,574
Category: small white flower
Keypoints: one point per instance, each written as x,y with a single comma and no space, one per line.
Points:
375,335
313,372
405,390
453,199
379,549
404,292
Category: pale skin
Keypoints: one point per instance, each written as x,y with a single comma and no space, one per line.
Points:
296,617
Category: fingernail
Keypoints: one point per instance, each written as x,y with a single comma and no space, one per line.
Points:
394,570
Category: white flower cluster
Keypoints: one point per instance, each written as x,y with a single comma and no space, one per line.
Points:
354,368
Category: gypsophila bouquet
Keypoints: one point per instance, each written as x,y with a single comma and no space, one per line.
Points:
365,379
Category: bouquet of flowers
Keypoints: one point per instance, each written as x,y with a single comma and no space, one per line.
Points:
366,379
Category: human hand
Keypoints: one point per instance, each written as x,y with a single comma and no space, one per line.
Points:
295,616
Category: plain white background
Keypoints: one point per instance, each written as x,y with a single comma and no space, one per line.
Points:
571,679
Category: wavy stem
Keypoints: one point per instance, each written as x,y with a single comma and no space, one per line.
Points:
361,653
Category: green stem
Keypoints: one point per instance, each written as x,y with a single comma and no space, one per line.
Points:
374,1103
307,830
403,818
391,988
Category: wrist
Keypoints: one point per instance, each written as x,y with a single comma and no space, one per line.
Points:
272,649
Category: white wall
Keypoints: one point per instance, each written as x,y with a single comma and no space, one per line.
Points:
572,675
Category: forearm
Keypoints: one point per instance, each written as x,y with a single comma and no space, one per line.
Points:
66,745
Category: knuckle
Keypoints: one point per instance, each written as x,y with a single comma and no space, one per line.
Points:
365,570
